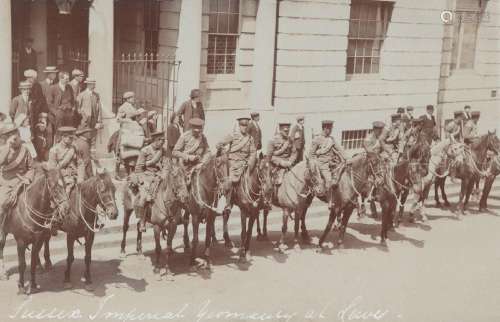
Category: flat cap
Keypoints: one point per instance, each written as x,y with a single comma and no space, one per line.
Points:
429,107
284,124
378,124
243,120
395,117
50,69
400,110
30,73
254,114
196,122
458,113
300,117
326,123
475,114
128,95
69,130
24,85
195,93
409,108
76,72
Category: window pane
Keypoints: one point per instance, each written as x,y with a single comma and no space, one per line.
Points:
211,64
368,48
211,44
233,24
354,29
350,65
364,12
375,65
372,11
355,11
371,29
351,48
213,5
367,65
220,45
359,47
358,67
223,6
212,22
231,45
468,46
219,64
223,23
235,6
230,64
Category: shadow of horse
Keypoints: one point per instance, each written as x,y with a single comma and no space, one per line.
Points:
373,232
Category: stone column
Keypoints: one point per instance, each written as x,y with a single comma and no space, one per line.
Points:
38,31
263,61
101,28
6,54
189,48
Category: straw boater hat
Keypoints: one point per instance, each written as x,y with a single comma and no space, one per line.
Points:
300,118
395,117
196,122
50,69
284,125
67,130
76,72
30,73
400,110
7,128
24,85
128,95
243,120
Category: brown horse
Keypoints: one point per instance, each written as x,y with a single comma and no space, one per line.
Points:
357,180
205,189
81,221
31,218
254,192
294,195
164,213
493,171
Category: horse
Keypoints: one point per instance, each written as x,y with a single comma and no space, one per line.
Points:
294,195
31,219
253,193
468,167
81,221
206,183
355,181
163,214
493,171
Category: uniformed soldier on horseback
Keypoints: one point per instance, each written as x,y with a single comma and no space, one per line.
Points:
192,147
395,136
63,155
282,153
329,154
241,154
148,174
454,128
470,130
16,170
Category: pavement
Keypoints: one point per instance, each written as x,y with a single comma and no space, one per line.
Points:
440,270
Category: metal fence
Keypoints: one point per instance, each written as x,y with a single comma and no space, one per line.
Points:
77,60
152,77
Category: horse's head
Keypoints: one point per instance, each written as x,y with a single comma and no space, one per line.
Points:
106,193
265,178
314,178
56,188
177,180
493,141
456,151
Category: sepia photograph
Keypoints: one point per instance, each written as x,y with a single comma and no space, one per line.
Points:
250,160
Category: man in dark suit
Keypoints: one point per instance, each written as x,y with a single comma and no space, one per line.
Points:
173,134
21,104
254,130
429,126
27,57
38,101
192,108
51,75
61,103
298,138
467,113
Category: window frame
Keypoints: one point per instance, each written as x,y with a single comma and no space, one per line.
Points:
149,30
224,76
461,13
381,6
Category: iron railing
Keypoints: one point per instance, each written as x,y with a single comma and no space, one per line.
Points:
77,60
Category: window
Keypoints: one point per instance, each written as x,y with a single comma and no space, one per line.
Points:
466,21
367,29
151,31
353,139
222,36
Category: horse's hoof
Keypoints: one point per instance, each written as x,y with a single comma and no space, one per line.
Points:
67,285
141,256
169,277
340,244
242,259
123,254
383,243
193,263
228,244
89,287
483,209
439,205
447,204
158,276
21,290
33,288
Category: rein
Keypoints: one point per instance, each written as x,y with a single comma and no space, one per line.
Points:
86,205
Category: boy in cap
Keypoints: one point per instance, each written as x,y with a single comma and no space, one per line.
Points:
76,82
190,109
453,129
147,169
16,169
21,103
254,130
127,108
281,152
64,157
329,154
241,153
298,138
192,147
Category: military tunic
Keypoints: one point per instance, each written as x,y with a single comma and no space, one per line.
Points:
282,153
470,131
65,158
328,153
188,145
454,130
376,145
240,154
147,169
14,164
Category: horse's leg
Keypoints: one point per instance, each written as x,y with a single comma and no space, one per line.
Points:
468,193
195,222
251,220
259,231
443,192
35,251
208,237
171,229
46,253
388,208
436,192
488,182
399,214
243,217
185,237
284,228
264,226
296,226
373,209
126,220
3,274
139,242
157,268
227,240
70,244
346,214
21,250
463,190
89,242
328,228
